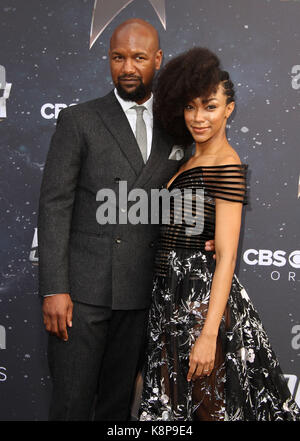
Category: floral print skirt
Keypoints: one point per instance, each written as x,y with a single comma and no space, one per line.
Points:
246,383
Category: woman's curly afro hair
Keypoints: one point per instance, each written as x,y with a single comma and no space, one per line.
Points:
195,73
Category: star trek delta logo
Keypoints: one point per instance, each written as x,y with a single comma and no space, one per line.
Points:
4,92
106,10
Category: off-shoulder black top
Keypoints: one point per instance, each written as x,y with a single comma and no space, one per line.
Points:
189,221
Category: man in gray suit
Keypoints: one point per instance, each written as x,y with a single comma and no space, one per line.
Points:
96,279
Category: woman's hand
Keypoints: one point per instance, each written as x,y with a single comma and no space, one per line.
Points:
202,356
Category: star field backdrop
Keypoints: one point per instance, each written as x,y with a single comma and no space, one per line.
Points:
45,54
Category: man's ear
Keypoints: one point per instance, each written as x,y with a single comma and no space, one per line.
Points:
158,59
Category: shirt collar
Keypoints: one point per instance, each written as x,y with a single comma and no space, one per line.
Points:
127,104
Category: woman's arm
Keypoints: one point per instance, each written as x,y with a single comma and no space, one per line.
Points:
228,224
227,231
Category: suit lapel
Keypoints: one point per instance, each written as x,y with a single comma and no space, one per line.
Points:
117,123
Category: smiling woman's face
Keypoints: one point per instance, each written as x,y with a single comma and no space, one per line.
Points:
207,118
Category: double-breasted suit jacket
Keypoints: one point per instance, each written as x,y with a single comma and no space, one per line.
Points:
94,148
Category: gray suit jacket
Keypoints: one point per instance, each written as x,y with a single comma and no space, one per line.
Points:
92,148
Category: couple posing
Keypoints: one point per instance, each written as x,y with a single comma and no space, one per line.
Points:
122,298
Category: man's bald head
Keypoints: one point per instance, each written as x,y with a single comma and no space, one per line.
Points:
135,56
136,25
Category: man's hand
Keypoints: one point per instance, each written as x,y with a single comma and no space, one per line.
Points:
210,246
57,314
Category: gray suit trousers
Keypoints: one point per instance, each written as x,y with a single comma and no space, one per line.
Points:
94,372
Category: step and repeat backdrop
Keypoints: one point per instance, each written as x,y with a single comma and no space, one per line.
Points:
54,54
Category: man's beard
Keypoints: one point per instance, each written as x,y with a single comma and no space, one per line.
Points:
138,94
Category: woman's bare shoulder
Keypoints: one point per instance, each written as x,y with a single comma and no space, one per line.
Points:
228,157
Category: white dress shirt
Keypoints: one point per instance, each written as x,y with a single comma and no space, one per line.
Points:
131,116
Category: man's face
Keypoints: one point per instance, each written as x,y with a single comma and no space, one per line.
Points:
134,58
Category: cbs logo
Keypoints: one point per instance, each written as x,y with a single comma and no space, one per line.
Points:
277,258
51,111
3,376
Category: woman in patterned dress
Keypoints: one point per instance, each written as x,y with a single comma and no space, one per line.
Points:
208,355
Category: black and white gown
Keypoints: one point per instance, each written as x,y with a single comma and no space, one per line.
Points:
247,382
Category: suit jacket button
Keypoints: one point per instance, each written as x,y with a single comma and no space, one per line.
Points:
118,240
151,244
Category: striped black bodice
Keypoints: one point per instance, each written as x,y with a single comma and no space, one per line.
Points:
192,199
